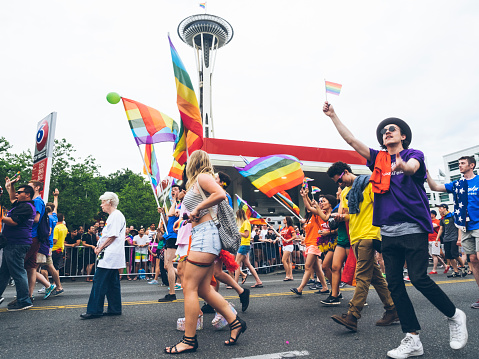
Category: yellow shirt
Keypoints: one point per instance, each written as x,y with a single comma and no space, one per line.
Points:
59,234
246,226
361,225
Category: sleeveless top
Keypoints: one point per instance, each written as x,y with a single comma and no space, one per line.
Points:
192,200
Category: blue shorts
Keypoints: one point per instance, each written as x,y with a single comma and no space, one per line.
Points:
205,238
244,250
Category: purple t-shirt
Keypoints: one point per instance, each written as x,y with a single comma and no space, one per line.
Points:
23,213
406,201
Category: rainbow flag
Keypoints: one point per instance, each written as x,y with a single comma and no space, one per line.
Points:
203,5
149,125
305,181
254,217
190,137
272,174
286,199
151,168
176,170
315,189
333,88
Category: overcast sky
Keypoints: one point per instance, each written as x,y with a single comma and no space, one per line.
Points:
417,60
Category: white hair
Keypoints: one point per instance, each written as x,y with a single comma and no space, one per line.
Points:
111,197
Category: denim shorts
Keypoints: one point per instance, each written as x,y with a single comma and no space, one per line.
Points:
205,238
244,250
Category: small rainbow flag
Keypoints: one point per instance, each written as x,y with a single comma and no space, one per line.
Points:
286,199
333,88
272,174
305,181
151,163
203,5
315,189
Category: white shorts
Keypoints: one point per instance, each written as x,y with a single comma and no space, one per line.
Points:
434,249
288,248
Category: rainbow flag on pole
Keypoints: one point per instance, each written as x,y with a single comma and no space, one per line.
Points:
333,88
315,189
203,5
149,125
190,138
254,217
272,174
286,199
151,162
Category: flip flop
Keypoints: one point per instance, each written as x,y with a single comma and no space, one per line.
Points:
244,279
287,279
257,286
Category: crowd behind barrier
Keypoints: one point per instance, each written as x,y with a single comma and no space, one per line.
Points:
265,257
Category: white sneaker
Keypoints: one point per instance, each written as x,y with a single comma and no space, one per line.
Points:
41,290
457,330
409,347
153,282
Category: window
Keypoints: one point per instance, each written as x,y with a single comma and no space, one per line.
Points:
444,197
453,165
428,196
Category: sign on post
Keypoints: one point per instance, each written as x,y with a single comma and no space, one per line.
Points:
42,158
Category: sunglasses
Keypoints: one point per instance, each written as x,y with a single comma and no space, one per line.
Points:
340,180
390,129
18,192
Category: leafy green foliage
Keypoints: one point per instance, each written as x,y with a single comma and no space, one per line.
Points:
80,185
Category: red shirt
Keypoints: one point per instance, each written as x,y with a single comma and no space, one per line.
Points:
287,233
433,236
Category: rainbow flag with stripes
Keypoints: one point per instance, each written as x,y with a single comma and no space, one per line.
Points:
151,163
190,137
203,5
333,88
315,189
254,217
286,199
176,170
305,181
149,125
272,174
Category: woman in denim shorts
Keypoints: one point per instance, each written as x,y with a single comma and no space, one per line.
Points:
205,247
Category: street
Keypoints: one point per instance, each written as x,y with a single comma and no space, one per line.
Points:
278,322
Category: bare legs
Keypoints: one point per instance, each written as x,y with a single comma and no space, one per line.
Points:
240,258
339,256
288,267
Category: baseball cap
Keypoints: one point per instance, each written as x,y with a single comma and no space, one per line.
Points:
443,205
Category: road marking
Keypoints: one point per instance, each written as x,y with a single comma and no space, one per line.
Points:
292,354
264,295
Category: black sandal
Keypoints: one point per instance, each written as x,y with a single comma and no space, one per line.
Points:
186,340
236,324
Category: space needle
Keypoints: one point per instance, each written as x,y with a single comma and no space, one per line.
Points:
206,34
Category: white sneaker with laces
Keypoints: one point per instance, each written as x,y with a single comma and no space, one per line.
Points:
457,330
410,347
41,290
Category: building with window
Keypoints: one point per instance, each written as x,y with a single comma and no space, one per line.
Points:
451,173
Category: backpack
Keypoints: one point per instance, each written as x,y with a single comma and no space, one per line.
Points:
43,231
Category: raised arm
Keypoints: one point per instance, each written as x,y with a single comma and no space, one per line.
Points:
55,200
358,146
10,187
433,185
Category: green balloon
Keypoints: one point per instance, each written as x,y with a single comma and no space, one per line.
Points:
113,98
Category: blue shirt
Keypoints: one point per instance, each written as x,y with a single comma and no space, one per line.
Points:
53,219
40,208
472,201
169,227
230,201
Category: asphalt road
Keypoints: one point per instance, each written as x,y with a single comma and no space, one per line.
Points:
278,322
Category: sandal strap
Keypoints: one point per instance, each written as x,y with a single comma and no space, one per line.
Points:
235,324
189,340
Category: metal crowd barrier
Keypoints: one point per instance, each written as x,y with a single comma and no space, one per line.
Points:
264,256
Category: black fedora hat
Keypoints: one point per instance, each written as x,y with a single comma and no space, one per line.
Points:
405,129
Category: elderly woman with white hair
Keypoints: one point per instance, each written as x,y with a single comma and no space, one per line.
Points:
111,257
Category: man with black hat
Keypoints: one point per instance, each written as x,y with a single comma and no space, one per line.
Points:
401,210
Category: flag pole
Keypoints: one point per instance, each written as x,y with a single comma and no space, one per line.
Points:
325,90
281,203
149,177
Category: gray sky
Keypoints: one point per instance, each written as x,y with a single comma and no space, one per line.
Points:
416,60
